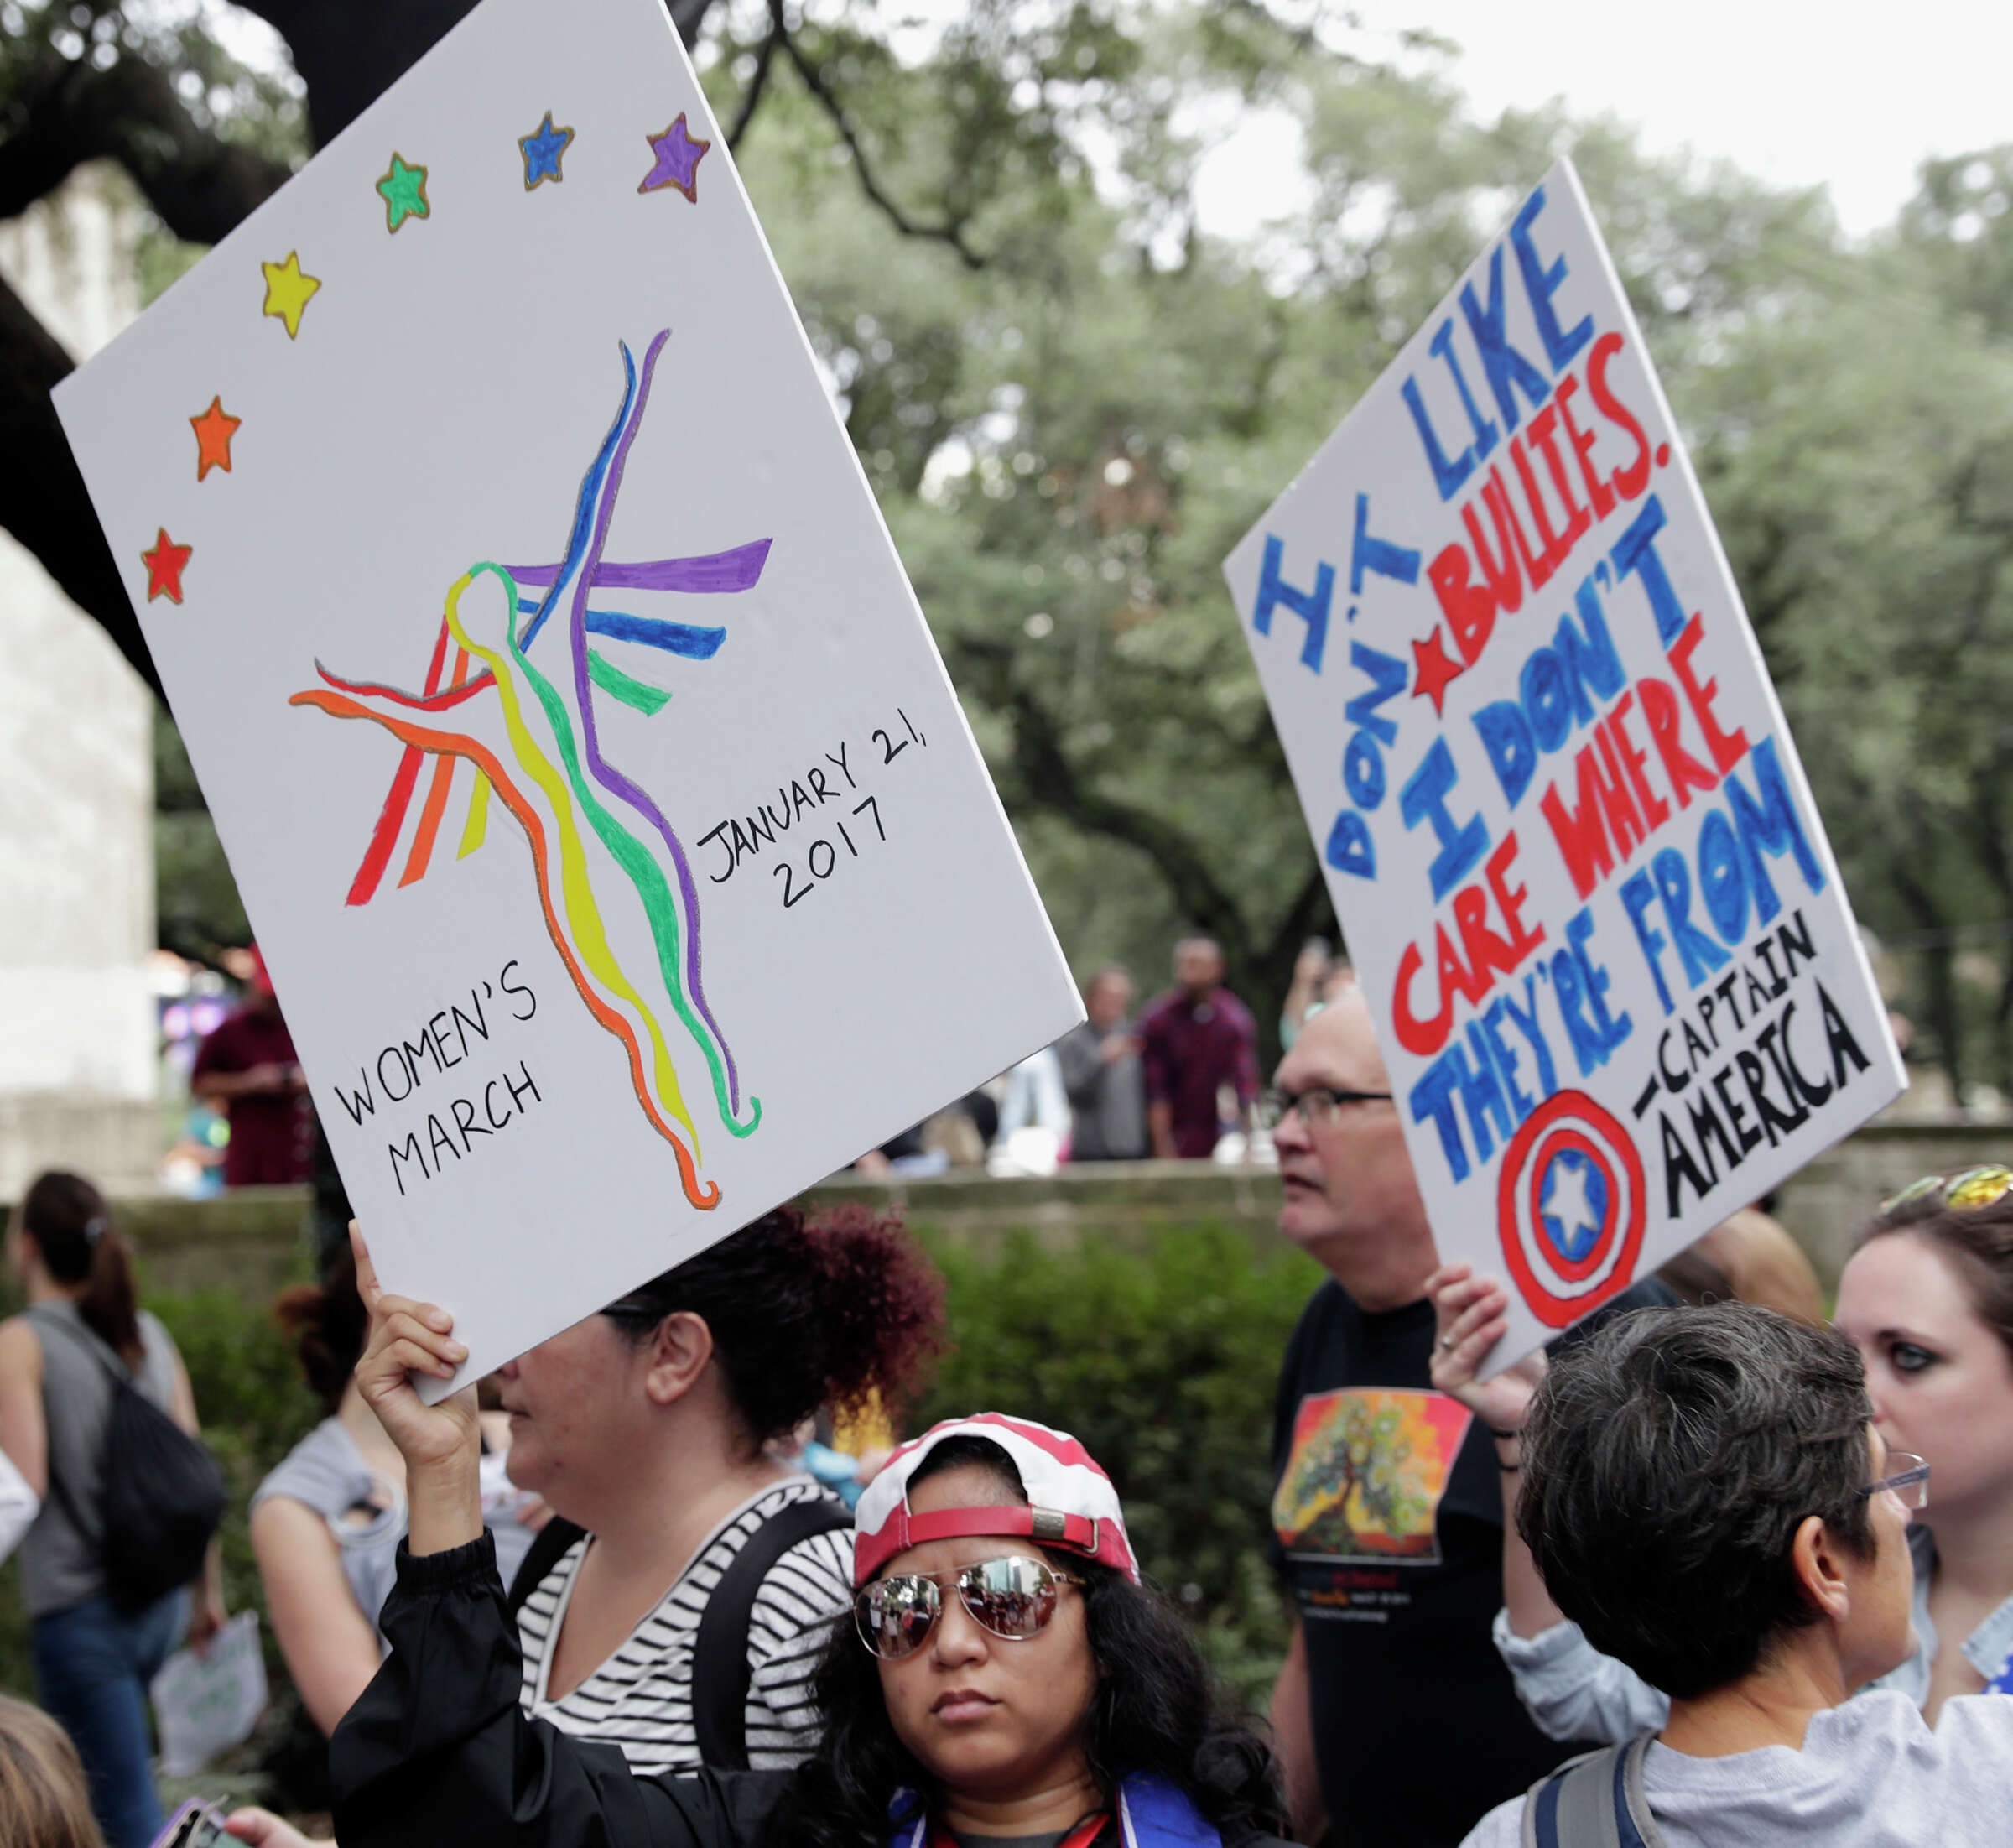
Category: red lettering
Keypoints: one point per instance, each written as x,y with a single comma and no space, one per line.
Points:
1624,819
1727,749
1632,760
1472,983
1555,545
1631,480
1504,510
1583,442
1470,608
1509,899
1543,432
1423,1037
1685,770
1503,579
1582,837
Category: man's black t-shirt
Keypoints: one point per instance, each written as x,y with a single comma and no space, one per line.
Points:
1387,1524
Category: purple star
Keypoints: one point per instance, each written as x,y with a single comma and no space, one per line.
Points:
678,154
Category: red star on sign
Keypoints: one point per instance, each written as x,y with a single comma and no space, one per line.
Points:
213,430
1434,671
164,565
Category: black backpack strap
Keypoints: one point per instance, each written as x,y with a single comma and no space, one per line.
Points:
548,1547
1595,1802
720,1656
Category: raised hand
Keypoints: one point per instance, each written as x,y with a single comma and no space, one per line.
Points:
407,1338
1474,1315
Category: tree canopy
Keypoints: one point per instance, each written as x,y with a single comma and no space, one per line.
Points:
1071,399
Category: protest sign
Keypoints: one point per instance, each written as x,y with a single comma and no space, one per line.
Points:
533,630
1614,972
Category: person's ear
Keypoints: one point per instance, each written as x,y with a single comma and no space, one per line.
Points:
679,1352
1820,1563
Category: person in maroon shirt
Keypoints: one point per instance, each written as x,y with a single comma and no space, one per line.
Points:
247,1070
1193,1042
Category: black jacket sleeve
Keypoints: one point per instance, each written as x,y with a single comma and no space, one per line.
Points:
437,1749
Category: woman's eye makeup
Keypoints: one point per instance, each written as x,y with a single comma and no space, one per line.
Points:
1908,1358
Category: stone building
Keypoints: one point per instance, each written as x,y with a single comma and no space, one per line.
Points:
78,1058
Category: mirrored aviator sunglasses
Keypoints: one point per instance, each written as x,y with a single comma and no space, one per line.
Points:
1971,1188
1013,1598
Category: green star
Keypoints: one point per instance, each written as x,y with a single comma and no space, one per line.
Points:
403,190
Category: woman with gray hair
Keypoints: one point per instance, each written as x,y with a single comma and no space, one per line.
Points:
1927,1300
1705,1493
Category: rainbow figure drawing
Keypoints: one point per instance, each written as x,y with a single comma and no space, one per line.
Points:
554,777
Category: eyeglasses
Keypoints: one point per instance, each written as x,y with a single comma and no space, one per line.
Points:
1014,1598
1910,1483
1973,1187
1317,1105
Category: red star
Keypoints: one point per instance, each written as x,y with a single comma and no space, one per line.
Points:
164,565
1435,670
213,432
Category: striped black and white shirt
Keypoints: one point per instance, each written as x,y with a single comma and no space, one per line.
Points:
641,1697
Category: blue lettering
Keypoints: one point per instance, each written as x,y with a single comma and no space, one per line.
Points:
1349,847
1768,822
1311,607
1699,954
1382,556
1542,284
1722,878
1506,740
1363,770
1433,1097
1636,554
1502,364
1424,798
1388,677
1637,896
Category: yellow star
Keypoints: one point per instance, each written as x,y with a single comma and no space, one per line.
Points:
288,290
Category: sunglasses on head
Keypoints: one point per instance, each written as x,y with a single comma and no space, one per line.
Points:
1972,1187
1014,1598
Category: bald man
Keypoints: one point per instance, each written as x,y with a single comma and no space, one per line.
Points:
1398,1723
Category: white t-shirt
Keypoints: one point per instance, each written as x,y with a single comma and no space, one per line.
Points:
1871,1774
640,1698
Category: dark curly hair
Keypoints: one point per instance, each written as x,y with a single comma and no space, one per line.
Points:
1669,1459
328,1325
1976,1240
804,1313
1158,1708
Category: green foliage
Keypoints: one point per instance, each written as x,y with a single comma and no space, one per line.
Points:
197,909
1165,1363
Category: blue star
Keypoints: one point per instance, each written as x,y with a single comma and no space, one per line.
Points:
542,150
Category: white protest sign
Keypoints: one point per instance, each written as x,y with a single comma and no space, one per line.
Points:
1614,972
618,847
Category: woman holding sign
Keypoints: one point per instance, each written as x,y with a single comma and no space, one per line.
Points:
1005,1674
1927,1300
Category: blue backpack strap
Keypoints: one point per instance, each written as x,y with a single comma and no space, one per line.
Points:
1155,1814
1595,1802
908,1822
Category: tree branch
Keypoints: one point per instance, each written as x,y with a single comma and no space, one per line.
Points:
756,84
951,232
200,185
43,502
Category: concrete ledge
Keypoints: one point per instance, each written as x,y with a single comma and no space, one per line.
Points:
255,1241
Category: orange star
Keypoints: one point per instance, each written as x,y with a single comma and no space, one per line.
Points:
213,430
164,565
1434,671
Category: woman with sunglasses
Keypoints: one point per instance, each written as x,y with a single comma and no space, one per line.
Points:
1927,1300
1005,1674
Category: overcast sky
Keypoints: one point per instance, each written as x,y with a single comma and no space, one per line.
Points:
1848,95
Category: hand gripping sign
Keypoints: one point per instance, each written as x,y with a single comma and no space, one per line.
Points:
610,825
1613,968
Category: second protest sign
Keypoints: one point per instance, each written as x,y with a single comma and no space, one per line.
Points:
1613,967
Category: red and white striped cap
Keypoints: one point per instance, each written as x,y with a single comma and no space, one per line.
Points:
1071,1503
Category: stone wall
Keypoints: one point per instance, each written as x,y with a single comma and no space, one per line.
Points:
255,1241
78,1060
